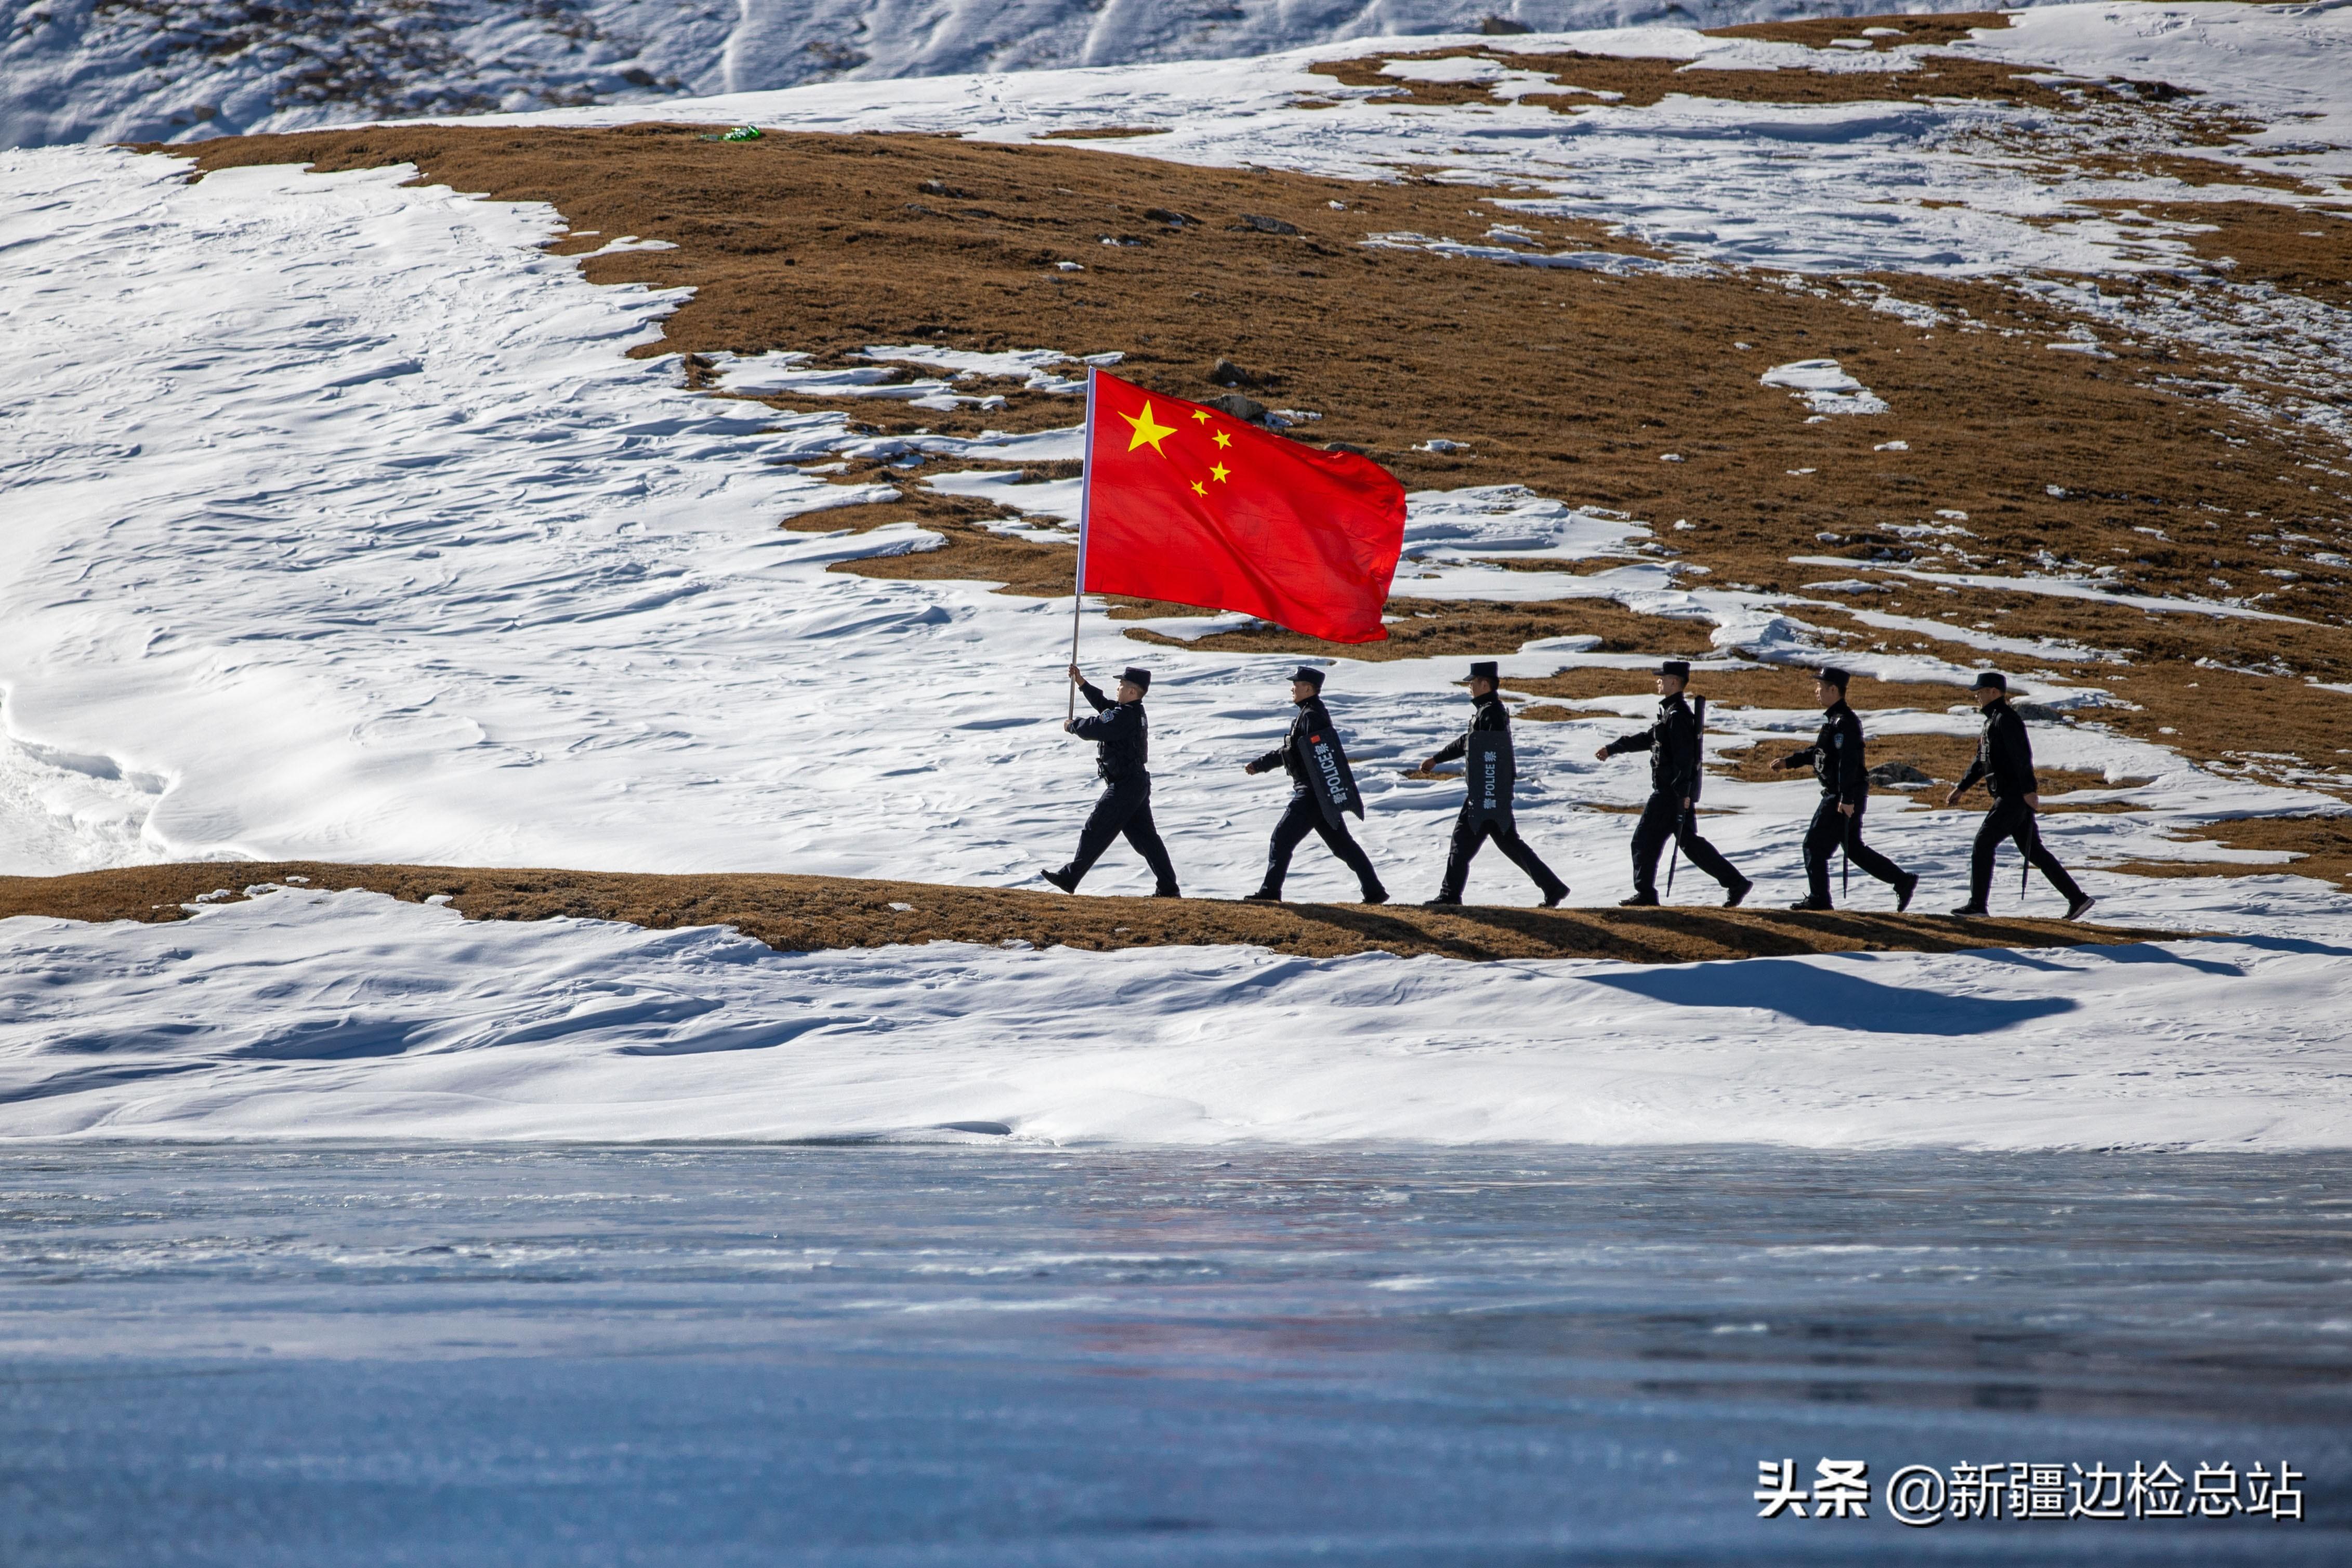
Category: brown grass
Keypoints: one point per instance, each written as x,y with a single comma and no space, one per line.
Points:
1424,628
2323,845
1766,688
1940,30
1644,82
805,913
1942,757
2296,248
2224,692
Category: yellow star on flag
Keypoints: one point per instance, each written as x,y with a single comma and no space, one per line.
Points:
1148,432
1198,488
1222,439
1199,416
1218,473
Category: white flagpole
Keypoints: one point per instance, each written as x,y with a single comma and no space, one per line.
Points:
1086,494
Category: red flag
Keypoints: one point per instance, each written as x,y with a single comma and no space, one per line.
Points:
1190,505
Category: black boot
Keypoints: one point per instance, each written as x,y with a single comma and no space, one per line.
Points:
1738,890
1904,889
1061,879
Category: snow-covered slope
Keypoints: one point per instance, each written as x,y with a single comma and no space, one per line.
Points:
304,1014
122,70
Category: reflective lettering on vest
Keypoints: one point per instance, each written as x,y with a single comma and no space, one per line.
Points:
1327,762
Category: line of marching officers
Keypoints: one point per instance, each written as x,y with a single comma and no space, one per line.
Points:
1323,792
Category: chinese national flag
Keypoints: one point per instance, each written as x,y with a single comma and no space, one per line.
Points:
1192,506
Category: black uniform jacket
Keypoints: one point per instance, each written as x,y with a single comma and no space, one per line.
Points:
1836,757
1291,755
1491,715
1672,746
1122,733
2004,756
1296,756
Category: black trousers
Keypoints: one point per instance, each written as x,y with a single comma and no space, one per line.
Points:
1666,818
2014,819
1124,807
1470,835
1832,828
1304,816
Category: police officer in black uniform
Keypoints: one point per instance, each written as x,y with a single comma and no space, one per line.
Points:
1124,739
1671,812
1835,755
1471,831
2005,762
1310,731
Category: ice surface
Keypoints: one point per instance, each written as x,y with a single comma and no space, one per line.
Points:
999,1356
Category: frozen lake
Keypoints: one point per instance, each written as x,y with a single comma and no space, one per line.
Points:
977,1352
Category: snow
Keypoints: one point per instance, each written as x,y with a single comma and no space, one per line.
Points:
1897,185
1825,386
83,70
2089,588
1052,501
316,1014
1033,368
2284,63
1497,77
780,372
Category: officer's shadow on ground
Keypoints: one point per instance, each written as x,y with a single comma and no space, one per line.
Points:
1825,998
1670,936
1776,980
1829,998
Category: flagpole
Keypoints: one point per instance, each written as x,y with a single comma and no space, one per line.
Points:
1078,594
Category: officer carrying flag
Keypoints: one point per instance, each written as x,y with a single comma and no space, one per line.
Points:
1122,737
